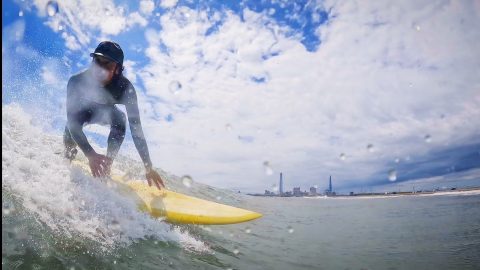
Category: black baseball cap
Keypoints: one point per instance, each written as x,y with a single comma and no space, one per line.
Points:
110,50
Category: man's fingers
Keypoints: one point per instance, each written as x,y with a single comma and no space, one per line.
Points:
149,182
100,171
161,182
157,184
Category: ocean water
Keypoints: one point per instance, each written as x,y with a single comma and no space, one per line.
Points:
54,217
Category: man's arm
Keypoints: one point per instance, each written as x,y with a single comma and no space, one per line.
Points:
131,105
76,116
74,119
133,113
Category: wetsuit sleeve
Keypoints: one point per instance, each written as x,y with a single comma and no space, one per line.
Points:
74,119
133,113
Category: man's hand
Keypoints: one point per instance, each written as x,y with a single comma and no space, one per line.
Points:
100,165
153,176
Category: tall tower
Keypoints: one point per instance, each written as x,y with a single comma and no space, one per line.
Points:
281,183
330,185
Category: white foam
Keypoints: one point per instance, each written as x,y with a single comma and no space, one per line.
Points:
64,198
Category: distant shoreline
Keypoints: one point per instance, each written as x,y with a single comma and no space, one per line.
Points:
462,191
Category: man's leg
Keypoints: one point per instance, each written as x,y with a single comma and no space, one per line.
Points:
70,145
117,132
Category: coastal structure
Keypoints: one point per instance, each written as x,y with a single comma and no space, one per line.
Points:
281,184
297,192
329,191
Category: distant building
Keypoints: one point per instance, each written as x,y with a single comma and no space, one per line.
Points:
267,192
281,183
313,191
329,191
297,192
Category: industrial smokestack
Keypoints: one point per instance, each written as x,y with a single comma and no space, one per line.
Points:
281,183
330,186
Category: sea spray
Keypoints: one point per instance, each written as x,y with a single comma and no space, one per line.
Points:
66,201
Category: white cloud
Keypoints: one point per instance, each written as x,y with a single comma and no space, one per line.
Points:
136,18
129,72
168,3
386,85
81,19
147,7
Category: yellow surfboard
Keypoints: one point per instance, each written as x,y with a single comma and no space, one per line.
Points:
176,207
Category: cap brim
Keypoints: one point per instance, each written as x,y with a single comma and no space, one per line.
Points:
106,56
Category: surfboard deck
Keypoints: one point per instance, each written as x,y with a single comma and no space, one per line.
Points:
176,207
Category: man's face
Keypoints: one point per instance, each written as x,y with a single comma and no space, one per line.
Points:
105,69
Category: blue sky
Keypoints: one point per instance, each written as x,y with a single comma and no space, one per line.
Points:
225,86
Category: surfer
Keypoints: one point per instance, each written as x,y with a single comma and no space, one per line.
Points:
92,98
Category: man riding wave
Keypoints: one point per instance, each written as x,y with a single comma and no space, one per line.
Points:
92,98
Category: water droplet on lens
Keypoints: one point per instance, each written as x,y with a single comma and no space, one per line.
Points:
275,187
392,175
228,127
155,242
219,198
290,229
60,28
7,208
417,27
114,262
115,225
20,13
236,251
248,230
370,148
268,169
343,156
397,160
187,181
175,87
52,8
428,138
